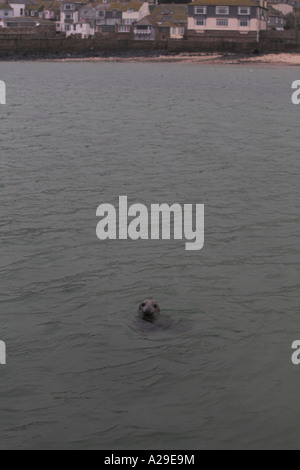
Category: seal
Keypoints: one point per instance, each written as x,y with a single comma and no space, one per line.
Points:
149,307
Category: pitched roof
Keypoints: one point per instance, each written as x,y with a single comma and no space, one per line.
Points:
32,7
171,14
5,5
147,21
103,6
273,12
48,5
22,2
239,3
41,6
73,2
136,6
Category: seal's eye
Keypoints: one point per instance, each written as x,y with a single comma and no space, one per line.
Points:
155,305
144,305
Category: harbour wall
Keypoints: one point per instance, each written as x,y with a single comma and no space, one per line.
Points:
27,43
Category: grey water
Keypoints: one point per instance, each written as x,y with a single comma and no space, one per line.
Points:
83,370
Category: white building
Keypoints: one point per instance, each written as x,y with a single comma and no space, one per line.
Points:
228,15
19,6
133,12
128,13
6,11
83,28
69,16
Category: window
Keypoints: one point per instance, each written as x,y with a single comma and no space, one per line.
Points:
67,7
201,10
67,27
244,11
130,10
100,14
222,22
222,10
114,14
124,29
244,23
21,11
174,31
181,31
68,17
201,22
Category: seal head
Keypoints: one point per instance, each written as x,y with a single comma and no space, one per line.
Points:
149,307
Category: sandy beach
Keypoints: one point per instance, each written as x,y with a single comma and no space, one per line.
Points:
288,59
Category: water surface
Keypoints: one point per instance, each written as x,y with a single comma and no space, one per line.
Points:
83,371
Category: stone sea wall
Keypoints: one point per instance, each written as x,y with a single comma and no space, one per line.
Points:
25,44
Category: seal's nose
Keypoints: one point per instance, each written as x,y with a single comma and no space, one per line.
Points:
148,309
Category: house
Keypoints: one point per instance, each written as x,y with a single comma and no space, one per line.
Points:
82,29
171,20
20,5
32,10
94,11
131,13
96,15
165,22
227,15
113,16
69,16
88,14
109,17
145,29
6,11
50,10
116,17
44,10
101,25
276,19
101,10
